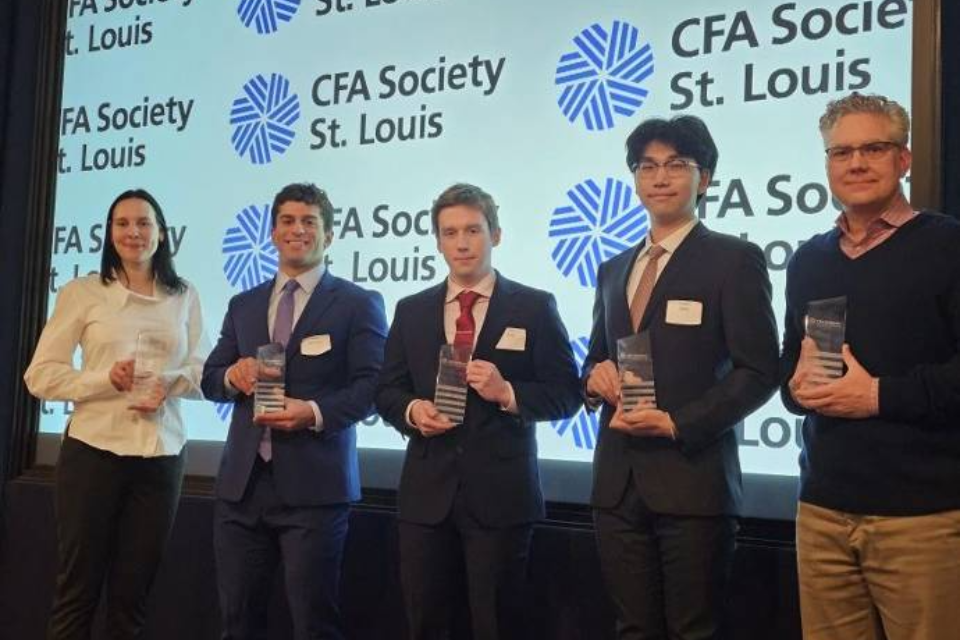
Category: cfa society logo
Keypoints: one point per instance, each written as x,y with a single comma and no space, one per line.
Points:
224,410
262,118
604,76
266,15
595,224
249,255
581,428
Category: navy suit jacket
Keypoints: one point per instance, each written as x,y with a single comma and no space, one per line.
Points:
708,376
492,457
309,468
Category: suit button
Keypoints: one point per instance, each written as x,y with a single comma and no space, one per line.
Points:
459,450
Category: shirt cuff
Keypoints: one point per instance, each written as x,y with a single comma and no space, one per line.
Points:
875,397
591,402
511,406
317,425
229,388
407,415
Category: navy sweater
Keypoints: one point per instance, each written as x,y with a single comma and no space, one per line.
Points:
903,326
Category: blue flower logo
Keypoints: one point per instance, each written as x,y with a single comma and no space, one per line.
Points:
583,427
266,15
262,117
224,410
594,225
603,77
250,255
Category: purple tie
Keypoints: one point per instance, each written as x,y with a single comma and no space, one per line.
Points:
282,328
283,322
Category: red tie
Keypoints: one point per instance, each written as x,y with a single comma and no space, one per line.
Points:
465,324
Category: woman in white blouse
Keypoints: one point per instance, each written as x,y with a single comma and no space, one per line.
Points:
121,462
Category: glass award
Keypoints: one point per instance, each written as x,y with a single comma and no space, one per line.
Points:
635,362
148,361
825,323
269,391
450,397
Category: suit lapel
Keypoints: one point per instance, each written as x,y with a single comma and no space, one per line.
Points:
322,298
619,308
433,317
496,319
431,324
680,264
260,306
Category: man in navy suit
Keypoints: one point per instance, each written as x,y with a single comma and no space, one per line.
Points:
667,478
286,478
470,492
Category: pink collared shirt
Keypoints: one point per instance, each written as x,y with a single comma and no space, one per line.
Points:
878,231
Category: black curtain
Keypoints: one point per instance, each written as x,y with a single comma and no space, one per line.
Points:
31,53
950,78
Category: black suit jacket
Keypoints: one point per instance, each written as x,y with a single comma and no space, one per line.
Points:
492,457
708,376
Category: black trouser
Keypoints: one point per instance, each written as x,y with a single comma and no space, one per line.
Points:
665,574
437,561
114,515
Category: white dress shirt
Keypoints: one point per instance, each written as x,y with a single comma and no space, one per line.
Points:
669,244
451,311
451,306
104,320
309,280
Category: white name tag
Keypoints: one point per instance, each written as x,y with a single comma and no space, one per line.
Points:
513,339
685,312
315,345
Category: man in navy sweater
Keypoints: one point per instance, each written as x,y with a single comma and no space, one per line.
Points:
878,525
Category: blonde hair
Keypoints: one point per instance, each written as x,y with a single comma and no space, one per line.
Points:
875,104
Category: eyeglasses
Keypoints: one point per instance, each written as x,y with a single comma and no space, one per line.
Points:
870,152
674,168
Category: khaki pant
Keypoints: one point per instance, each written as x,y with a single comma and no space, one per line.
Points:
873,577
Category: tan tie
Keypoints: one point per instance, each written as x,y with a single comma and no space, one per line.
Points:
645,287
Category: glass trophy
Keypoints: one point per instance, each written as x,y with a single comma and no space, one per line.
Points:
635,361
271,369
825,323
148,361
450,397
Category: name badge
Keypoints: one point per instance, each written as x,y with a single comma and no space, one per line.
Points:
513,339
315,345
685,312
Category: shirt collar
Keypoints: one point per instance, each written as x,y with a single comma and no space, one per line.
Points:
898,214
309,280
672,241
122,296
484,287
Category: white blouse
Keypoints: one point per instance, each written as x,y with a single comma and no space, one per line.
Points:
105,321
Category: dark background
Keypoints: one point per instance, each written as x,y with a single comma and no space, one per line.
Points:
566,596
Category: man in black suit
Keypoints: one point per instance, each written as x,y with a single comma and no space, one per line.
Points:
667,478
470,492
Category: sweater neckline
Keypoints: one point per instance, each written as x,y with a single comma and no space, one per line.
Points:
883,247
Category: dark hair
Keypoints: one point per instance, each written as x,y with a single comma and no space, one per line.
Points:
687,134
469,195
307,193
162,261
